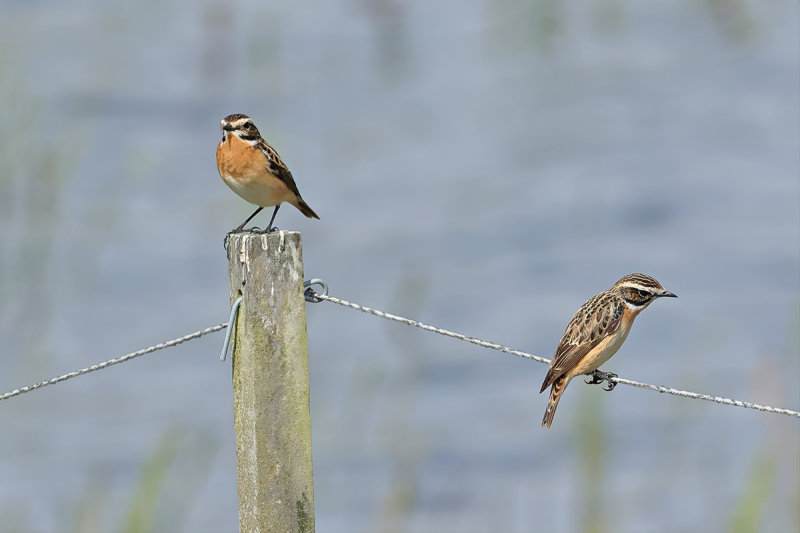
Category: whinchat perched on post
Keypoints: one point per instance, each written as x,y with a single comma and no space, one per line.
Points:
254,170
596,332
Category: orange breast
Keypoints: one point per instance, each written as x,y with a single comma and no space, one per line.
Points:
239,160
243,168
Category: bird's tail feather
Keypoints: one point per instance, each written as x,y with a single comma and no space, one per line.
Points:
555,395
305,209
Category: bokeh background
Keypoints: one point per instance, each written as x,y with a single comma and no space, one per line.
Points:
484,166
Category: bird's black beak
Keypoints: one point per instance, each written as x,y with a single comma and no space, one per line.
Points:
227,127
669,295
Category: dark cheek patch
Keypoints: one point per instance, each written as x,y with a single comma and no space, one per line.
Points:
636,300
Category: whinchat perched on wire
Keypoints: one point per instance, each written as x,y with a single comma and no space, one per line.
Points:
596,332
254,170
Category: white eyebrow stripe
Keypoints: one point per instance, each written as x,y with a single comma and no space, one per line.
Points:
638,287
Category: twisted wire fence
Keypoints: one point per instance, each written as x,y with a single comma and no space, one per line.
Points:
313,296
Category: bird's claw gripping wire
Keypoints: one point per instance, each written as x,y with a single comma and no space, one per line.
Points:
309,294
600,376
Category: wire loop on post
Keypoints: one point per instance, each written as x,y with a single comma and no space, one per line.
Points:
312,296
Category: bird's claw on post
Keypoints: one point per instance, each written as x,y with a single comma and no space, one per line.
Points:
599,377
259,231
255,229
228,236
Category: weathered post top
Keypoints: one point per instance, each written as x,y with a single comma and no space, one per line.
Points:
270,383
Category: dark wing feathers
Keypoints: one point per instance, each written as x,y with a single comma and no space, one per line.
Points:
278,168
595,320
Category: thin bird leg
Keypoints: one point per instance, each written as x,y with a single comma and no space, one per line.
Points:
269,226
242,225
237,230
599,376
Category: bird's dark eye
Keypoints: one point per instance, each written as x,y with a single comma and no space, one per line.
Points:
643,293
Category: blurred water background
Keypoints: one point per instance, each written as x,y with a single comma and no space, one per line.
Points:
482,166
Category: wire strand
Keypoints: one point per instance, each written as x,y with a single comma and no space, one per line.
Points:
106,364
506,349
388,316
